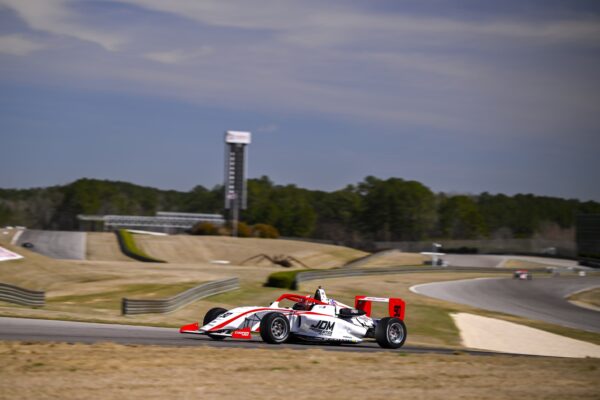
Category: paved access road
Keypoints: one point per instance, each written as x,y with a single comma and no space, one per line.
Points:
541,298
39,330
56,244
497,261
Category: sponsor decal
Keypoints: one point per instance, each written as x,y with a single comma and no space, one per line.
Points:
324,328
242,334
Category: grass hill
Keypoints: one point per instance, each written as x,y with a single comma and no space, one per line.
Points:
190,249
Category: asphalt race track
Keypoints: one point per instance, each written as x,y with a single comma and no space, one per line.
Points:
40,330
541,298
55,244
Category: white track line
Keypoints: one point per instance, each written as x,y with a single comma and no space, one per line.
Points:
16,237
415,288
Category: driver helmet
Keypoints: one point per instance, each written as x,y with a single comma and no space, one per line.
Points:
301,305
320,295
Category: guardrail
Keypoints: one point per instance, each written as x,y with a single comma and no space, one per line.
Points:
133,306
24,297
342,273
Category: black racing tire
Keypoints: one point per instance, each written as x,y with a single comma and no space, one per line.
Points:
211,315
274,328
390,333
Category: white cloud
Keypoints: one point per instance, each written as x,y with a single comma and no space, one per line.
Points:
323,24
268,128
258,14
18,45
273,56
178,56
56,17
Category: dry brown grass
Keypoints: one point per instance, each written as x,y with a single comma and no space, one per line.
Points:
103,246
191,249
6,235
89,290
111,371
393,259
588,298
523,264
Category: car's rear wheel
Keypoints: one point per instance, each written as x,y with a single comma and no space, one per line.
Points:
210,316
390,333
274,328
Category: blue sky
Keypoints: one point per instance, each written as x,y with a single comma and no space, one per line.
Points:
464,96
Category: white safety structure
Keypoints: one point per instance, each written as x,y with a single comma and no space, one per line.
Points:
435,255
163,221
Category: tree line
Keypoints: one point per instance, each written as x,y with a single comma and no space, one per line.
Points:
374,209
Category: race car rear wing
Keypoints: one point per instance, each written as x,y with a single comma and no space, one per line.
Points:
396,306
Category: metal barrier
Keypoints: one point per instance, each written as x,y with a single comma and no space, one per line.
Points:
342,273
24,297
132,306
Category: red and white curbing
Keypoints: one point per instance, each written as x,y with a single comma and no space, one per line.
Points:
7,255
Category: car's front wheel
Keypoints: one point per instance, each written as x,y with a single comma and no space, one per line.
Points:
274,328
390,333
210,316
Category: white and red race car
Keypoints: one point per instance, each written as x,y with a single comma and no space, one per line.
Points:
522,274
314,319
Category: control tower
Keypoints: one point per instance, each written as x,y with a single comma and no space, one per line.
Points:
236,165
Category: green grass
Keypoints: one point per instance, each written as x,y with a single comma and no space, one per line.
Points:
248,295
284,279
590,297
112,299
432,322
130,249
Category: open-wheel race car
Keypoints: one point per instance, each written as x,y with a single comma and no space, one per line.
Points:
522,274
312,319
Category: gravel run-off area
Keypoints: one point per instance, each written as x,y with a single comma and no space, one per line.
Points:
485,333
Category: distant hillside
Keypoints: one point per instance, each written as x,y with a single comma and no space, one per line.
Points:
374,209
57,207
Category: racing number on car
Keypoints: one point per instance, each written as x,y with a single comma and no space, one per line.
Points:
397,309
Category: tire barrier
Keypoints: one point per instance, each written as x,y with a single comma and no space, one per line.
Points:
24,297
159,306
342,273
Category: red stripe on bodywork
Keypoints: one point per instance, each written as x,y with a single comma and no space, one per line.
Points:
222,324
189,327
299,298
